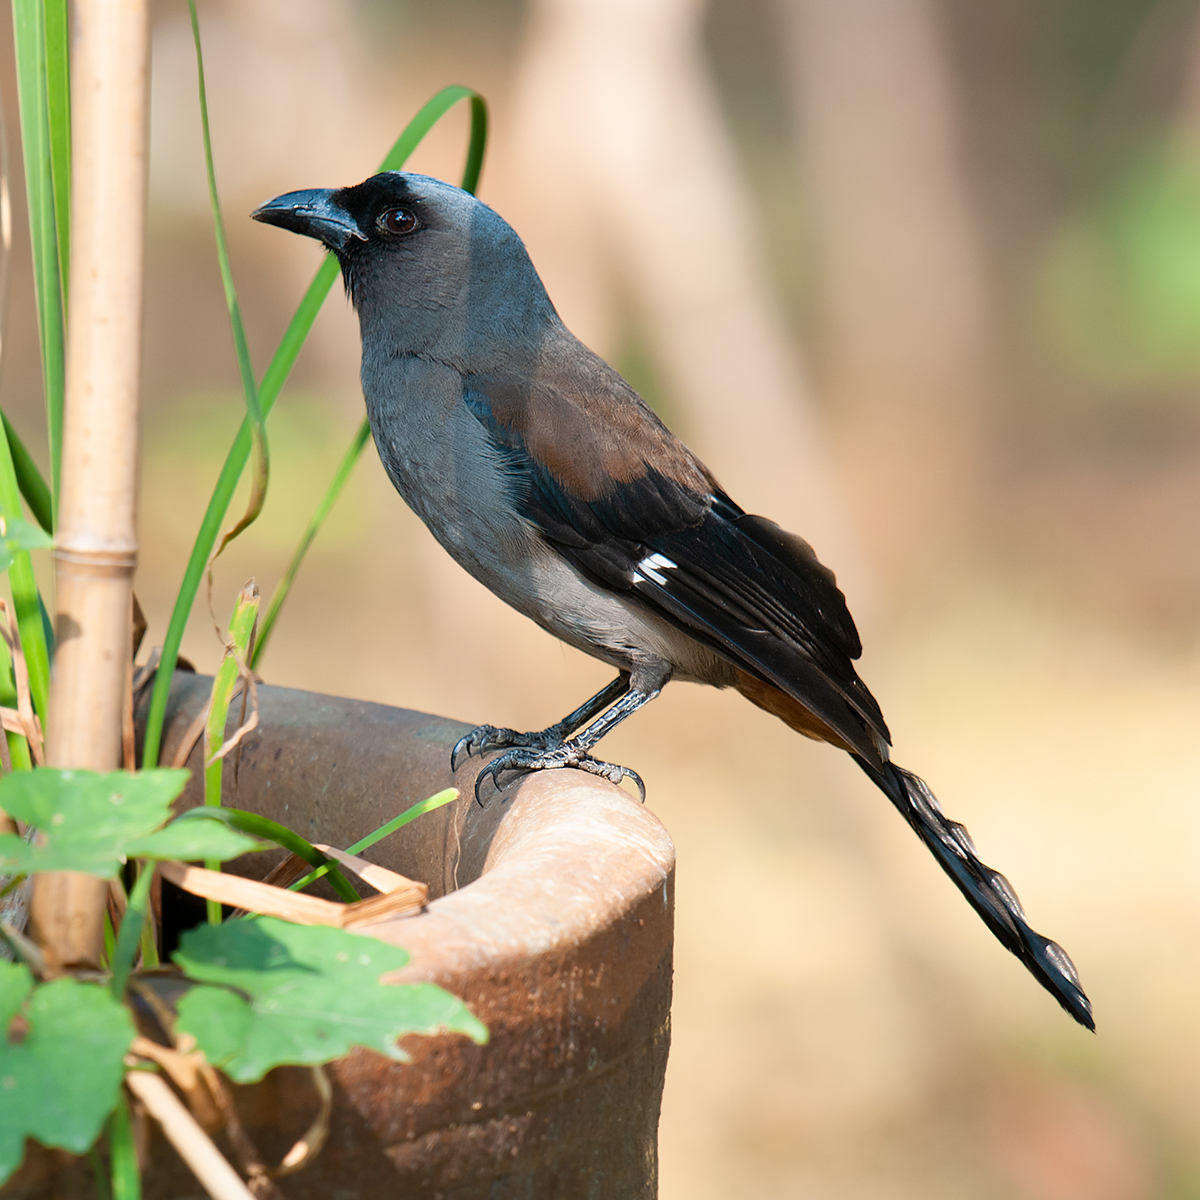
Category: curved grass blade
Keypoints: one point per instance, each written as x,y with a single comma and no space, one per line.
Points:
26,474
122,1149
409,814
349,459
470,181
58,114
276,375
29,478
37,139
254,412
237,649
26,600
271,831
129,936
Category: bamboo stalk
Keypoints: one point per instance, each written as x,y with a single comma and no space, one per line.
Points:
96,547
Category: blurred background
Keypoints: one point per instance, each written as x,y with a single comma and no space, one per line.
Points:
919,279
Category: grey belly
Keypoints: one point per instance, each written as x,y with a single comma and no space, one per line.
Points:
438,457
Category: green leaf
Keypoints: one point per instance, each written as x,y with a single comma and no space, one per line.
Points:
87,819
62,1050
311,994
17,535
190,841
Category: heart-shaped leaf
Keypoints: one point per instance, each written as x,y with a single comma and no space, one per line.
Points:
311,993
92,822
62,1051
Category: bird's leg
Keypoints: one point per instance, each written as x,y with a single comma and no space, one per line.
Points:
575,752
483,738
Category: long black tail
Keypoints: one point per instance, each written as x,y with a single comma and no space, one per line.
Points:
987,891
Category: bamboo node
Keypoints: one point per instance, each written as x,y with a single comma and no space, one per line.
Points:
117,560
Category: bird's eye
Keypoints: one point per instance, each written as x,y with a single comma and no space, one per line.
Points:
398,220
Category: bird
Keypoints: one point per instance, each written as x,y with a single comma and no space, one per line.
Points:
550,480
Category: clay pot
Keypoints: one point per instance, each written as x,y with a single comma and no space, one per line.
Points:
551,915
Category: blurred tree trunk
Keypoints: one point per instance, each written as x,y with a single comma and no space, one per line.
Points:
1187,118
904,295
623,178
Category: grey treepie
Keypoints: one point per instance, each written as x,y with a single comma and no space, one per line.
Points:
546,476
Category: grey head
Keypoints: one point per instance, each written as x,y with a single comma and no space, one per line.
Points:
430,269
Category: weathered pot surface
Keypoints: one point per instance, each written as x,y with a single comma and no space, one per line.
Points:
552,916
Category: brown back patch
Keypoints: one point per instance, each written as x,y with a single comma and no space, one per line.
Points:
588,427
790,711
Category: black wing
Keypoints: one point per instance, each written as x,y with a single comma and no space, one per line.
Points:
672,539
666,534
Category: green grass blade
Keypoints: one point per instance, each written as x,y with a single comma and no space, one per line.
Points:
430,114
130,935
58,112
25,596
446,796
409,814
122,1151
29,479
241,633
254,412
352,455
271,831
476,149
276,375
99,1175
18,747
29,32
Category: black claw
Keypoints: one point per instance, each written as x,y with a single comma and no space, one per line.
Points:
462,744
641,787
485,774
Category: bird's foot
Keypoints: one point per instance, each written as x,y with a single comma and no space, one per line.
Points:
483,738
566,754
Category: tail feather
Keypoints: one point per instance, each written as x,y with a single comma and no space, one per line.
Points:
986,890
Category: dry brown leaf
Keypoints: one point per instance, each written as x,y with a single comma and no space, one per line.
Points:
380,878
309,1146
288,871
254,896
291,906
378,908
29,726
128,733
194,1146
184,1065
250,723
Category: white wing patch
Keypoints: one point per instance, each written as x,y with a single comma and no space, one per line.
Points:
652,566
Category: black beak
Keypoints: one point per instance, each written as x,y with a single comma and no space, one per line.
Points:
314,213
